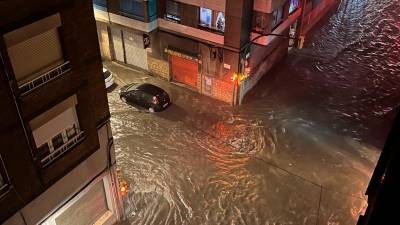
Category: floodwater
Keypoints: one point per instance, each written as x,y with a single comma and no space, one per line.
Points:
300,150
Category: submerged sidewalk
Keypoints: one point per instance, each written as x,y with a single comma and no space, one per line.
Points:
187,105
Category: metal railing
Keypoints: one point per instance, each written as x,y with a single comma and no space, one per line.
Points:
62,149
44,78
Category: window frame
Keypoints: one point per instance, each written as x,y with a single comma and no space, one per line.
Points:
172,17
213,25
275,14
295,8
131,11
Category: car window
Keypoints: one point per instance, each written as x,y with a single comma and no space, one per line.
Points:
106,74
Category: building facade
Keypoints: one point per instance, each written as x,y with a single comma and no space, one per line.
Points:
212,47
57,162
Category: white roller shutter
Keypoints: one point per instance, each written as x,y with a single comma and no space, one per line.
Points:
117,42
136,55
35,55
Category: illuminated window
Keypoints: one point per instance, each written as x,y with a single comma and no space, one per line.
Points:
277,15
205,17
220,22
212,19
260,22
35,49
294,4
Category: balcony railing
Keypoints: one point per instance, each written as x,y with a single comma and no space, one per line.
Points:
62,149
44,78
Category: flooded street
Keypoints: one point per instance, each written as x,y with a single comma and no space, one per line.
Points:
300,150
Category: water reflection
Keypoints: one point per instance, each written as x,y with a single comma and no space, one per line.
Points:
300,150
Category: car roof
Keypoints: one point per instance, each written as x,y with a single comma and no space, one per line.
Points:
150,89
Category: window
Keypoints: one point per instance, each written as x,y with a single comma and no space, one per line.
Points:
132,8
205,17
260,22
294,4
57,141
56,131
172,11
277,15
212,19
220,23
35,49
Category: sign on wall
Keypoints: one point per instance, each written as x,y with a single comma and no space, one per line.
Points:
146,41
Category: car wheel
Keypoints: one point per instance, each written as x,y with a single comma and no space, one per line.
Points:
151,109
123,99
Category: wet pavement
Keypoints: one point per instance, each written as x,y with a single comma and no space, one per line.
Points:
300,150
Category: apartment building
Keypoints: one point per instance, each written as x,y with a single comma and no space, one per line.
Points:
57,162
217,48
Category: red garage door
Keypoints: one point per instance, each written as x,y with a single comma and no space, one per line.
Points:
184,71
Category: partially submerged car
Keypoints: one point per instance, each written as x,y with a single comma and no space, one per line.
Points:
145,95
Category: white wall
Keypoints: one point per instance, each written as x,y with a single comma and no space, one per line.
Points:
54,126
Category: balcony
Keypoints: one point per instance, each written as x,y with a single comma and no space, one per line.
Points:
191,32
56,131
41,80
58,152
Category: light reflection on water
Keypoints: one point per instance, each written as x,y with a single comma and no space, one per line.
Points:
302,146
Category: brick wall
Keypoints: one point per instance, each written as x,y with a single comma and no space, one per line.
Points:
158,67
220,89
